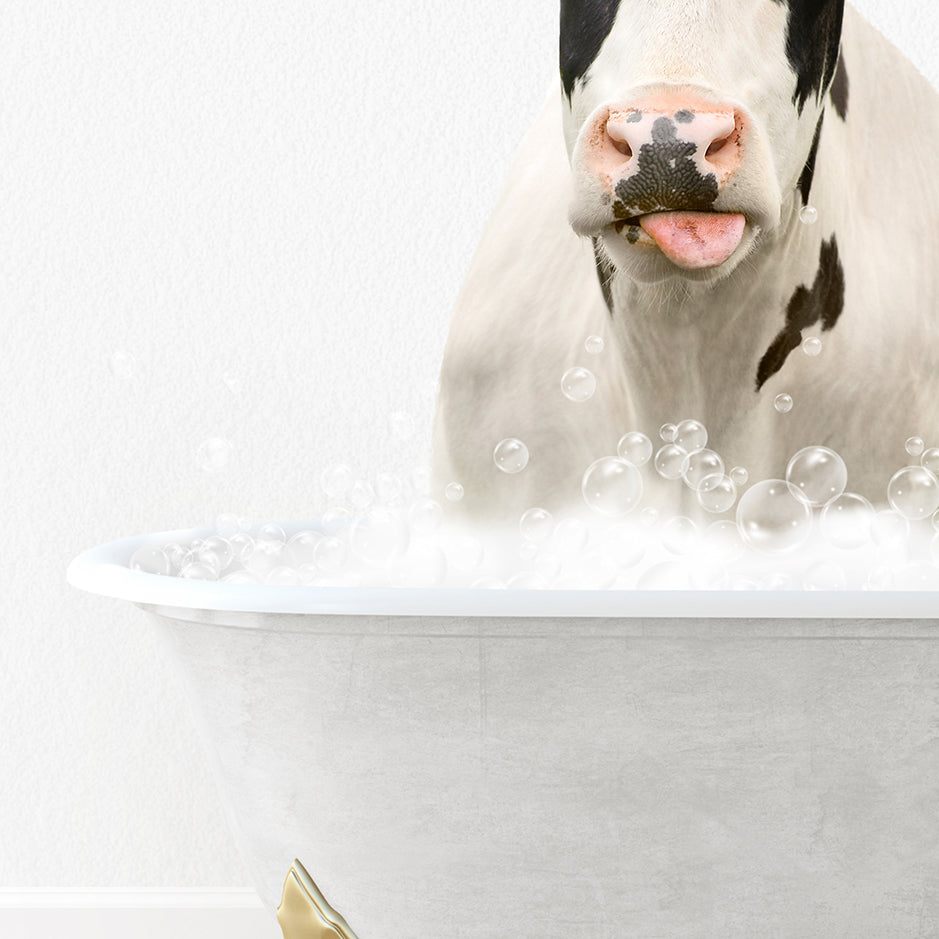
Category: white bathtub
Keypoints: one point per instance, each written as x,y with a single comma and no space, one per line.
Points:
545,764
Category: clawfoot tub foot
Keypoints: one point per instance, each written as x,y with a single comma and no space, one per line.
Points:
304,913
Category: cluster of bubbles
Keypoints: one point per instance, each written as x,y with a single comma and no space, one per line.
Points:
803,531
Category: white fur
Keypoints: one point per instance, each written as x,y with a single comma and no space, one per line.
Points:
681,348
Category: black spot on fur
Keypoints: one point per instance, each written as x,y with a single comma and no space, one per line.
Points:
604,273
839,89
684,116
813,37
634,117
823,303
585,24
667,177
808,172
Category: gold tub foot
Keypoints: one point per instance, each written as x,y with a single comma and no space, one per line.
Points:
304,913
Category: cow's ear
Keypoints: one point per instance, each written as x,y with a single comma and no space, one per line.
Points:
813,40
585,24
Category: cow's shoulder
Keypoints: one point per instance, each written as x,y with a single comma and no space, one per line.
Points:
530,300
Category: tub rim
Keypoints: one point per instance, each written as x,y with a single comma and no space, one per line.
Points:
103,570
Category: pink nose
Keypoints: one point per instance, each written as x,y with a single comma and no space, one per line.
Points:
662,137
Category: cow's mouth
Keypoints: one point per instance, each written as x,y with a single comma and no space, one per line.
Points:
690,240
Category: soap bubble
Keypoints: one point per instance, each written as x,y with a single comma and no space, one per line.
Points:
453,492
336,480
423,565
549,565
812,345
670,461
241,577
425,516
783,403
594,344
122,364
879,578
242,544
271,532
214,454
208,559
570,537
808,215
635,447
740,475
176,554
723,542
301,547
217,551
913,492
595,570
282,577
667,433
914,445
510,455
527,550
625,544
361,495
717,494
667,575
649,516
702,468
690,435
916,576
930,460
334,518
612,487
196,571
527,580
889,529
536,525
379,536
389,489
262,556
771,519
679,535
150,560
817,475
465,552
487,583
420,481
825,575
846,521
330,554
578,384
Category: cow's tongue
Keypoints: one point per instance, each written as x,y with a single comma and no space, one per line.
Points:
695,239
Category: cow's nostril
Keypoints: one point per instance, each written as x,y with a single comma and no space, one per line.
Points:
623,147
717,146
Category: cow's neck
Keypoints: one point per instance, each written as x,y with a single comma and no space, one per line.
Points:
695,350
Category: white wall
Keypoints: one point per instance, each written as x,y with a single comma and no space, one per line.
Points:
280,195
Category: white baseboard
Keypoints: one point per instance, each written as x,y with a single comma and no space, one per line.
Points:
137,914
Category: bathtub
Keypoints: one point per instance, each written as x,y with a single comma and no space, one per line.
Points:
460,764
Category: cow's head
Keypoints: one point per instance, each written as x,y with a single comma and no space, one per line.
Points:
689,124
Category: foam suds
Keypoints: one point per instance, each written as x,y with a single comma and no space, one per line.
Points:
804,532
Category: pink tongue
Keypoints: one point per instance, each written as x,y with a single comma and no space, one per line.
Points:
695,239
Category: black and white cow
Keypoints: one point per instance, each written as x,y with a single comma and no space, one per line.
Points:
671,226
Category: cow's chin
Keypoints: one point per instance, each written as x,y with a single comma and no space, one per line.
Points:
643,261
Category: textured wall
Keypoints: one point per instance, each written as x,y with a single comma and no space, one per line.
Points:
231,219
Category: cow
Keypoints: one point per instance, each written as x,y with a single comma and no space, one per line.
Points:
713,183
